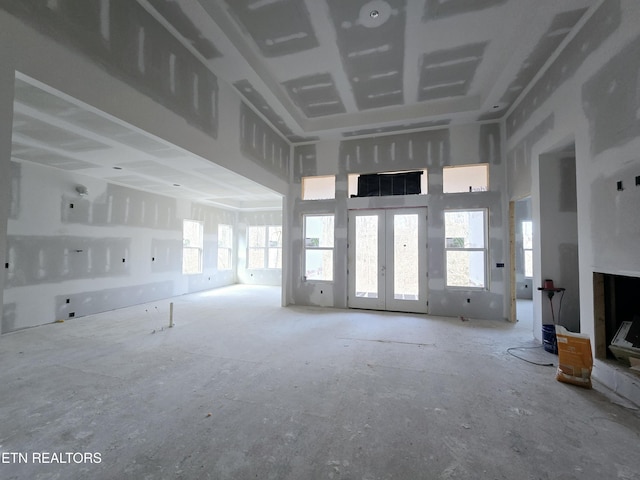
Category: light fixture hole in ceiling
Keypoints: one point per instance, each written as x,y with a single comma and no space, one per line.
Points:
374,13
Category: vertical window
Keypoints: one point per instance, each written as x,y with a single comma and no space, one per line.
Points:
225,247
192,245
465,248
527,247
264,247
318,247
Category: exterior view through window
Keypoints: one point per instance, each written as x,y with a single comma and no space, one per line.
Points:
527,246
192,245
264,246
318,246
225,247
465,248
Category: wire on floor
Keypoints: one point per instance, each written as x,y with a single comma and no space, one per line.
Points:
529,361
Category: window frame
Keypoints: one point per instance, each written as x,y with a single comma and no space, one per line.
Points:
266,248
484,249
224,247
307,248
199,248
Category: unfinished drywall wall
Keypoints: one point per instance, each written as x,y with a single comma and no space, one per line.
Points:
149,223
588,96
103,253
558,232
80,73
519,159
430,149
611,100
602,24
9,204
261,144
257,100
560,27
257,276
133,45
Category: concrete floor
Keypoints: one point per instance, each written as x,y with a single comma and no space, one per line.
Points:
244,389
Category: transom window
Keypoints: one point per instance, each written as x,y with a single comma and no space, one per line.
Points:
465,178
319,188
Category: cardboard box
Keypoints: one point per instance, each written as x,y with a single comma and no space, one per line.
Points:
622,345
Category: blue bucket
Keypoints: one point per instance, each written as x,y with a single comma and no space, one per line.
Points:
549,341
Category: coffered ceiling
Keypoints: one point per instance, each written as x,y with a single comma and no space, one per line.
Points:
321,68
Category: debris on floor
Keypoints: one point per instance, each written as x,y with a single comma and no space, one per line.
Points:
626,342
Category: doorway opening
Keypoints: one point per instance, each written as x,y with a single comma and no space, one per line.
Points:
387,259
521,231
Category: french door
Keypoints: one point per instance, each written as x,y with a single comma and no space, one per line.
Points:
387,259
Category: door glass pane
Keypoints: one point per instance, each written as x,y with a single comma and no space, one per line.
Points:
405,257
367,256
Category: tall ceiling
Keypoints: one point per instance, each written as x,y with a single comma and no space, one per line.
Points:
322,68
57,131
313,69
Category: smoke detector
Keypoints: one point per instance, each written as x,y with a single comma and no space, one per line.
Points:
374,13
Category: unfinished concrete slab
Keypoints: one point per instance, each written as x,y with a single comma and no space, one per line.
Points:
242,388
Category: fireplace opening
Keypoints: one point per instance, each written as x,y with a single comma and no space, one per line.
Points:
616,305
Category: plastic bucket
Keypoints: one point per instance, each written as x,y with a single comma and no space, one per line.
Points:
549,341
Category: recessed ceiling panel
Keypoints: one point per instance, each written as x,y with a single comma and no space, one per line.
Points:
53,136
139,182
397,128
448,73
316,95
435,9
50,159
370,38
43,101
278,27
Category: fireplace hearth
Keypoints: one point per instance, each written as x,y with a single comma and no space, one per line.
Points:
617,316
